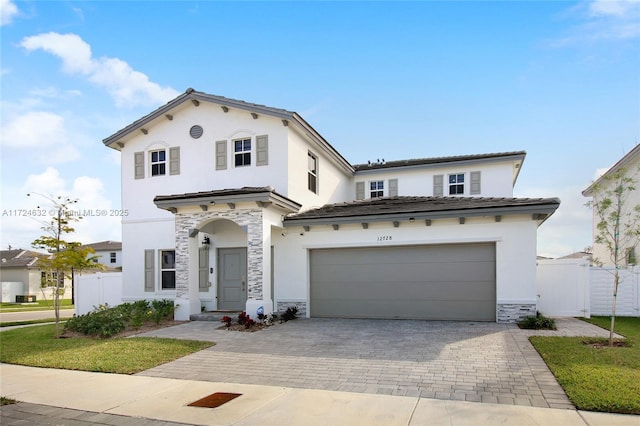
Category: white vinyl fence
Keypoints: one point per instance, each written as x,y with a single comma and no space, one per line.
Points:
97,289
571,287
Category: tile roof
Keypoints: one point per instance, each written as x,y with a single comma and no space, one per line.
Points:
19,258
434,160
247,190
105,245
425,207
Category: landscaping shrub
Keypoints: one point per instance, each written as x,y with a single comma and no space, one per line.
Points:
539,322
105,321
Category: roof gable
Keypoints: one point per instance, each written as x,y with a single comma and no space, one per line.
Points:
622,163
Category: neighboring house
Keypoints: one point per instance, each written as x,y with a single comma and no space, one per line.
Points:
630,163
235,206
21,266
107,253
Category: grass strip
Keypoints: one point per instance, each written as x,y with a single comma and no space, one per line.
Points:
38,347
597,378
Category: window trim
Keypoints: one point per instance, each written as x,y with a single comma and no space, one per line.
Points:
380,188
161,269
113,257
457,184
312,174
243,153
158,162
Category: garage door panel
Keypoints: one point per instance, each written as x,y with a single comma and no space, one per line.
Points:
441,290
409,309
455,281
412,272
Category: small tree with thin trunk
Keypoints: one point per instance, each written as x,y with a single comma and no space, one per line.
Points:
64,257
617,226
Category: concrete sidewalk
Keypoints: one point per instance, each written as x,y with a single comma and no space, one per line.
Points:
86,398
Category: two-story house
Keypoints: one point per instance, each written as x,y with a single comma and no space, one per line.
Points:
107,253
629,164
236,206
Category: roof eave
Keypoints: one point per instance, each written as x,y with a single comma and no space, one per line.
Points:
265,196
546,210
620,164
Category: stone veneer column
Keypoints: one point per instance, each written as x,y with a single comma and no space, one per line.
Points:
187,292
187,299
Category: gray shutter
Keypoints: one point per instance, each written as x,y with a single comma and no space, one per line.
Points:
221,155
203,269
174,160
475,183
262,150
393,187
437,185
138,159
149,270
359,190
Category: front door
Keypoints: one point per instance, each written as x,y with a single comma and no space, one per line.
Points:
232,279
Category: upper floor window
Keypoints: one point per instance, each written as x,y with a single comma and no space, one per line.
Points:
112,256
456,184
168,269
376,189
158,162
312,173
242,152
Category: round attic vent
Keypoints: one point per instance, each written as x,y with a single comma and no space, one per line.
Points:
196,131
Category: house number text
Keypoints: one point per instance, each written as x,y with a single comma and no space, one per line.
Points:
384,238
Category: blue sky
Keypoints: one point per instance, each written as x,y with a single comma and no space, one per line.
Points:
392,80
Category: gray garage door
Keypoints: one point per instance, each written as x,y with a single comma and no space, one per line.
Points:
447,282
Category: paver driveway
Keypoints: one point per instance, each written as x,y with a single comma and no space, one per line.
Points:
470,361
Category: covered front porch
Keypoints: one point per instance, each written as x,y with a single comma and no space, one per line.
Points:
223,248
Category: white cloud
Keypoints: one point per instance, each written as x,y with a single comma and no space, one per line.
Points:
8,10
34,129
606,20
613,7
126,86
98,222
43,134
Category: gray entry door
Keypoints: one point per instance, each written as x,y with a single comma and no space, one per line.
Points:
438,282
232,279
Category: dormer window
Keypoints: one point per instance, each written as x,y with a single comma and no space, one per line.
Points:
242,152
456,184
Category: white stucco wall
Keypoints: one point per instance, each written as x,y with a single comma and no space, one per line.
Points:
496,179
515,238
104,258
197,157
333,182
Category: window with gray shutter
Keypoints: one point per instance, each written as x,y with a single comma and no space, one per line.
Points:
221,155
437,185
474,177
262,150
138,159
174,160
149,267
393,187
359,190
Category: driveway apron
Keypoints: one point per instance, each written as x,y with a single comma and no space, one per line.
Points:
466,361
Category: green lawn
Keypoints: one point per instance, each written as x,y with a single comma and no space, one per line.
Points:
37,347
597,379
40,305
